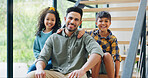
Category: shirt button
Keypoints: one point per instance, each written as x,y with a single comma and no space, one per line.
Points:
68,47
68,56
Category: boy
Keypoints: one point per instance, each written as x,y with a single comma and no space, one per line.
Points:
109,45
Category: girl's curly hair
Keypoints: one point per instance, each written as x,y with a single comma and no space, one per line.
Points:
41,25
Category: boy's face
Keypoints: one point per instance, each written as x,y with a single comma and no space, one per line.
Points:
73,20
103,24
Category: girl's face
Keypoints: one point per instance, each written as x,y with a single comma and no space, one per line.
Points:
49,21
103,24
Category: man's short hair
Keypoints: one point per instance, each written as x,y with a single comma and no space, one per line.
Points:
103,14
75,9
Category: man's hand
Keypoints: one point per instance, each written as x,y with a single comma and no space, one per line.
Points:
40,74
81,33
77,74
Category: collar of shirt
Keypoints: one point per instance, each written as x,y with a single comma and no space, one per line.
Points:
74,34
96,32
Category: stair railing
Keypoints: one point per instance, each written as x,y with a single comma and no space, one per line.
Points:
139,31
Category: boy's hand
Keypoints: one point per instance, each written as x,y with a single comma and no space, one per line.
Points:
60,30
81,33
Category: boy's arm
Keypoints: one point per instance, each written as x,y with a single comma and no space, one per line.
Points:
117,67
116,56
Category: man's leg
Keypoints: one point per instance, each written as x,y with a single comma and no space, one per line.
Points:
109,65
49,74
85,76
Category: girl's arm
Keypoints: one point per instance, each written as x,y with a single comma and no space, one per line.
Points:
36,48
80,34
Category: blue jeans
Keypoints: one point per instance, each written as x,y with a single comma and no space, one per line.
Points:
33,67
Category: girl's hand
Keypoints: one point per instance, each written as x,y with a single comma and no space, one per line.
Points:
81,33
60,30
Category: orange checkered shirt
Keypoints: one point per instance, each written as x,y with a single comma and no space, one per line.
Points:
108,44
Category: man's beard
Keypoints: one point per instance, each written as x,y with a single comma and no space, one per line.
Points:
71,30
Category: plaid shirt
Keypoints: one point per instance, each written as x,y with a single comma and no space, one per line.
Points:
108,44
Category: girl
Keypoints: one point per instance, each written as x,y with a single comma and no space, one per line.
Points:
48,23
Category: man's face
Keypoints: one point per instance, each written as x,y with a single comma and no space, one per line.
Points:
73,20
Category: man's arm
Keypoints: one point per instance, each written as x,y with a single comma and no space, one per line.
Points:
43,58
92,61
40,73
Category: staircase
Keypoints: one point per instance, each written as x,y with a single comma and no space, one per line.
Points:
123,14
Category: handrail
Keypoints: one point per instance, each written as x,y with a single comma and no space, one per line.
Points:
80,4
130,60
143,50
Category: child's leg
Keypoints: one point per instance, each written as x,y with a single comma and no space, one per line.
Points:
109,65
31,68
95,70
49,65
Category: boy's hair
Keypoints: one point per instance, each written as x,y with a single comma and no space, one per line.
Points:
75,9
103,14
41,25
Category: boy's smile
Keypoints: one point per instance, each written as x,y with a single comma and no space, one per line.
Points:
103,24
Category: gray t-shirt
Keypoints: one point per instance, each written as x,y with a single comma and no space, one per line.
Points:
68,53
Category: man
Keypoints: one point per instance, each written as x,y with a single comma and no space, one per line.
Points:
69,54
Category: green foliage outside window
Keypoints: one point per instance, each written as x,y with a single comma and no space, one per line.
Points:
25,15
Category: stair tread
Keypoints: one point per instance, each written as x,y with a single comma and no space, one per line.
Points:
112,29
114,18
134,8
134,75
107,2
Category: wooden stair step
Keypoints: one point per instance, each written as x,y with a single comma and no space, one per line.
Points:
123,42
107,2
134,75
124,57
112,29
114,18
135,8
